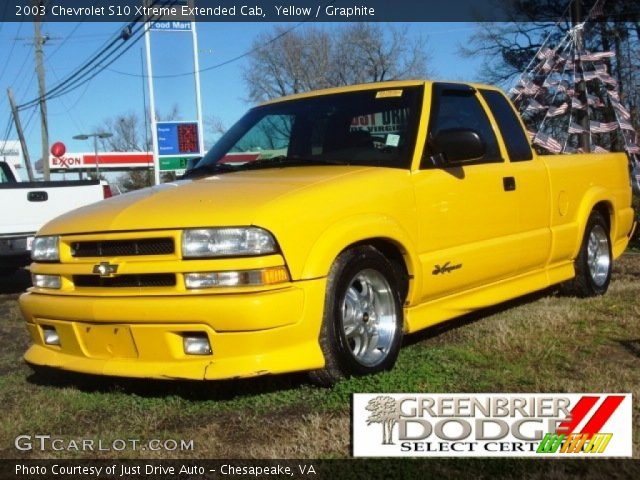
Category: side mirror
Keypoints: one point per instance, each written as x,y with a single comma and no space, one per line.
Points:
458,145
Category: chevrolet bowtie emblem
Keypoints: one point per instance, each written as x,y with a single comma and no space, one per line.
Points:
105,269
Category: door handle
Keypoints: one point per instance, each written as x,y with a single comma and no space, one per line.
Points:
509,184
37,196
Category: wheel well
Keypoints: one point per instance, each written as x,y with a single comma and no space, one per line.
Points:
604,208
394,253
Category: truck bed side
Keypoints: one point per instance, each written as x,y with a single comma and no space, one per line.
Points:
579,183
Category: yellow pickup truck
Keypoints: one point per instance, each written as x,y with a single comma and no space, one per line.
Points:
319,230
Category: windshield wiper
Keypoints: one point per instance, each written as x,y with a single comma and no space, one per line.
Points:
284,161
209,169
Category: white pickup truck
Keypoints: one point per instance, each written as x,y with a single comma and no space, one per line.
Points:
27,206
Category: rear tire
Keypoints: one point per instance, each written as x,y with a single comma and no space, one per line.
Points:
362,324
594,262
7,271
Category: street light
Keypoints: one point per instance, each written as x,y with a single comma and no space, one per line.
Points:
95,136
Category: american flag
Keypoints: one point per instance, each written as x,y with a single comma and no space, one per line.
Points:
623,112
588,76
626,125
600,67
608,79
597,10
598,149
559,110
595,57
548,65
614,94
600,127
546,53
563,86
575,128
575,103
594,101
534,106
547,142
531,88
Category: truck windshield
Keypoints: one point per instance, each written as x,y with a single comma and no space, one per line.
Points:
373,127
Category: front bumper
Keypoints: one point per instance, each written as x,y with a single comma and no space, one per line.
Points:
252,333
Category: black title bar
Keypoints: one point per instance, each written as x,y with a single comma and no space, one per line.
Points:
299,10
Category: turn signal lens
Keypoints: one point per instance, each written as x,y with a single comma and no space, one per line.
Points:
46,281
241,278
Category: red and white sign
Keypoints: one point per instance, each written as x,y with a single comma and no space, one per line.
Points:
107,160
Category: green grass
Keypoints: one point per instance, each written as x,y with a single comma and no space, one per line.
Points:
542,343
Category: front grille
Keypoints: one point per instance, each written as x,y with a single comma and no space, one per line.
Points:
122,281
123,248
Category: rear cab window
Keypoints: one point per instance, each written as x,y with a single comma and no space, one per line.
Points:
510,127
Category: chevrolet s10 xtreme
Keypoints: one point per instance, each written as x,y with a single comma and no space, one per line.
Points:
318,231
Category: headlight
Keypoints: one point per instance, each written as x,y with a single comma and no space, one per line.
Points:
227,242
45,249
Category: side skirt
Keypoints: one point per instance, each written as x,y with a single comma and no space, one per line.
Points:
446,308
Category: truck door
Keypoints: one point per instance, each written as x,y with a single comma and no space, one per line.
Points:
468,214
531,184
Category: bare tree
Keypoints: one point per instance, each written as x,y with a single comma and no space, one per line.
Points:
214,128
508,47
384,410
130,133
284,62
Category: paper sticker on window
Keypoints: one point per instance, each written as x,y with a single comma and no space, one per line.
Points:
388,93
392,140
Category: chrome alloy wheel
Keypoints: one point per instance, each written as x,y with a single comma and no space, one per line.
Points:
598,256
369,317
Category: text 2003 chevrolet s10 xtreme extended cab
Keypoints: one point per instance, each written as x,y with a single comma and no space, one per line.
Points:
319,230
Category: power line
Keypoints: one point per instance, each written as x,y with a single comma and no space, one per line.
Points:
7,132
218,65
63,84
78,78
69,86
66,39
64,104
13,45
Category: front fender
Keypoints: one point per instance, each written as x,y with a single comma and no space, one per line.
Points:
356,229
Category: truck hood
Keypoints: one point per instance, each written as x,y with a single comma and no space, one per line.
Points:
219,200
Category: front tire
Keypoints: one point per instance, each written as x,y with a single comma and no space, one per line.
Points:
362,324
595,260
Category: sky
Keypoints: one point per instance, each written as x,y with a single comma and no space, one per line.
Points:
119,89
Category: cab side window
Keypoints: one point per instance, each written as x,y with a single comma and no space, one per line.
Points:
459,108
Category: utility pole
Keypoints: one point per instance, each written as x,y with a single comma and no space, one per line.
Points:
23,143
39,41
582,117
